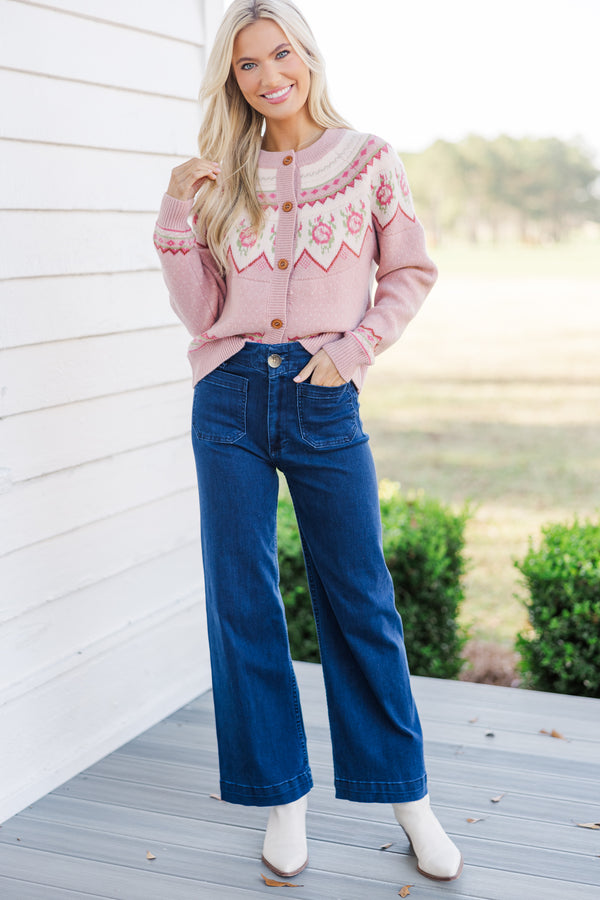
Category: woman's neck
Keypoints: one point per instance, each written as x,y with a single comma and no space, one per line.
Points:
295,135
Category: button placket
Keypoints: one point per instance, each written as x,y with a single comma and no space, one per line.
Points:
284,249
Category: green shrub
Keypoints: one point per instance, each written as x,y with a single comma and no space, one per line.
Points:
562,651
423,543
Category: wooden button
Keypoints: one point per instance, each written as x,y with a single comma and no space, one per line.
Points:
283,264
287,160
287,206
276,323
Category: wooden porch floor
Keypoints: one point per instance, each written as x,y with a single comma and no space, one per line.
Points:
90,838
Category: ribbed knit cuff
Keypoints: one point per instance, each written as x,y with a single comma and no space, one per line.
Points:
347,354
173,214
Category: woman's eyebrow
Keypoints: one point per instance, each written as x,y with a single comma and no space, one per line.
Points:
279,47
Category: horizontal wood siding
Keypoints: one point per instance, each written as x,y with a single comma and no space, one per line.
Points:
100,567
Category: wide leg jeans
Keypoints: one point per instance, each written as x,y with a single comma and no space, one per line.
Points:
249,420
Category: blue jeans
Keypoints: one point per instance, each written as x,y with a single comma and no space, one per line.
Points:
249,420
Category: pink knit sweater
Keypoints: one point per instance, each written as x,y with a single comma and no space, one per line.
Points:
334,212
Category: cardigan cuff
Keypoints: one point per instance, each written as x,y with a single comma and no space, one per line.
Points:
347,354
173,214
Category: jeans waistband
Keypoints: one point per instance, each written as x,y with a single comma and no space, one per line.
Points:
272,359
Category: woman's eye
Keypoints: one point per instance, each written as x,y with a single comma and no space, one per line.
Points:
282,54
246,67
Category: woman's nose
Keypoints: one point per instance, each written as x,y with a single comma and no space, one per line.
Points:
270,76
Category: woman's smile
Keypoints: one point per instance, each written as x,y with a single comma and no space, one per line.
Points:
280,95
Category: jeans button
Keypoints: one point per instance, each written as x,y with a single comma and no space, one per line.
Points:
274,360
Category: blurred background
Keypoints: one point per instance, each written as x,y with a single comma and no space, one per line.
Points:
493,394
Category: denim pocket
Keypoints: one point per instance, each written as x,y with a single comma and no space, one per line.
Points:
328,416
219,408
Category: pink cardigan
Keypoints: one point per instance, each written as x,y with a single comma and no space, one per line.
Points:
336,213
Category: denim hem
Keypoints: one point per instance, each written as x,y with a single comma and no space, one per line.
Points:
381,791
270,794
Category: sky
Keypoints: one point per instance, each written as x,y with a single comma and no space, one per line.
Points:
412,72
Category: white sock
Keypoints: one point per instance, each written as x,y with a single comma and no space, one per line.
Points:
437,856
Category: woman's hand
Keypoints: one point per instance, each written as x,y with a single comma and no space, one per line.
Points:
186,178
320,369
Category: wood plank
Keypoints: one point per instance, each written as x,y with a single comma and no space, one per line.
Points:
69,562
66,112
83,178
145,15
20,889
98,52
523,721
104,426
39,509
70,371
82,242
490,697
44,310
34,645
86,712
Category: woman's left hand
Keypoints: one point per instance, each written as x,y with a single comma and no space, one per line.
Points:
320,370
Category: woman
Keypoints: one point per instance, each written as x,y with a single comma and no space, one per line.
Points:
292,209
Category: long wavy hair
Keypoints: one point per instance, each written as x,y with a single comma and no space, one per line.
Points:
231,130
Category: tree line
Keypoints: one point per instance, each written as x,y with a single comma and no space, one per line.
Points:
531,189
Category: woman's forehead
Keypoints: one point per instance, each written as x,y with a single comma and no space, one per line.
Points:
260,38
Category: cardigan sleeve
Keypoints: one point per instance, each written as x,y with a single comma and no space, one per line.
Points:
196,286
405,273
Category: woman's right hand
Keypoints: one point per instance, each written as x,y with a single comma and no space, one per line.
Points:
186,178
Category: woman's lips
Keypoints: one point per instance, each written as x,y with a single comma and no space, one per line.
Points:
278,96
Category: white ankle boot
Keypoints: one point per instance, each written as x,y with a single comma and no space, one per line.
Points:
437,856
284,850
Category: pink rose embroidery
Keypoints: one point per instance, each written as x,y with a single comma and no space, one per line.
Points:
355,221
322,233
248,237
384,194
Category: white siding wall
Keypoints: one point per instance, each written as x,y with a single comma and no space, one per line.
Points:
101,607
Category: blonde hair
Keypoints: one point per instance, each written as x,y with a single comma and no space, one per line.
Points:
231,131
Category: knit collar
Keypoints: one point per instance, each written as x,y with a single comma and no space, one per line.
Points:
271,159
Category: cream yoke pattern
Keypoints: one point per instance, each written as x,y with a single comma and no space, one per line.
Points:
336,213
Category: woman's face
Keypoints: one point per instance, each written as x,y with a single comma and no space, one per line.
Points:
270,74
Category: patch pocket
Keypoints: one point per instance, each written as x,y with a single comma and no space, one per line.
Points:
219,408
328,416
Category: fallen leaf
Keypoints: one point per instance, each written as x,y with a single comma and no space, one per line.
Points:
476,719
271,883
554,733
215,797
386,846
497,799
150,855
474,820
588,824
404,891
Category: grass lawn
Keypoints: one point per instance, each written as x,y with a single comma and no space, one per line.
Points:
493,397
